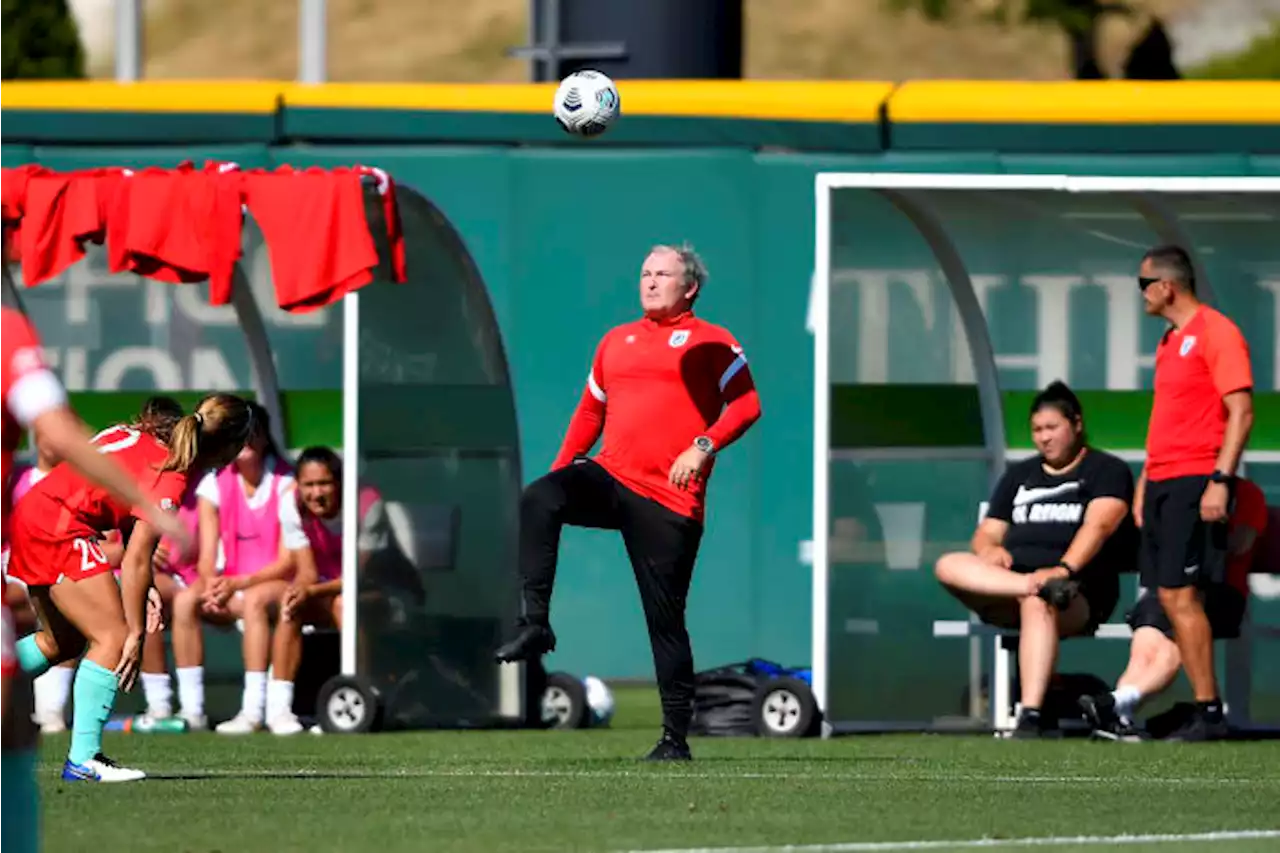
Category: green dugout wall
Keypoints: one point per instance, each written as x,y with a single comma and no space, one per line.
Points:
558,227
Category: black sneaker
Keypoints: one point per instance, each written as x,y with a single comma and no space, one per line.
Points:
1201,728
672,747
1060,592
532,642
1033,725
1100,711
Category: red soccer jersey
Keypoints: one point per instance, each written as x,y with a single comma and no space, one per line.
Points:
1251,513
657,386
64,505
314,224
1196,366
29,389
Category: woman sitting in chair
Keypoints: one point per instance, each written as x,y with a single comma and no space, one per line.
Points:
1046,557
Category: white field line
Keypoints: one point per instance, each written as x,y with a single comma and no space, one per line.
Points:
987,843
658,773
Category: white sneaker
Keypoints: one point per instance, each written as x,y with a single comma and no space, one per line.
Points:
240,724
50,723
100,769
195,722
286,723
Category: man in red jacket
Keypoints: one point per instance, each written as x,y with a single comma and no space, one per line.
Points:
669,392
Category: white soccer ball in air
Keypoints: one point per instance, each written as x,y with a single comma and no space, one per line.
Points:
599,700
587,103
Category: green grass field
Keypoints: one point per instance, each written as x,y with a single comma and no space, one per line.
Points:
532,791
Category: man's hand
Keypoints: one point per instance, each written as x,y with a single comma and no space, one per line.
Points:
130,662
996,555
688,467
1213,503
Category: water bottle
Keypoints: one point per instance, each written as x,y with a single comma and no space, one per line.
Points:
145,724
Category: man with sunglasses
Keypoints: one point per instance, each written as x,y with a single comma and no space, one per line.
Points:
1201,414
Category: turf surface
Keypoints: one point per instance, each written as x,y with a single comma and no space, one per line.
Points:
532,791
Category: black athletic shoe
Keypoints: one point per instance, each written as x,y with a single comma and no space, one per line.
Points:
1033,725
1201,728
672,747
532,642
1060,592
1100,711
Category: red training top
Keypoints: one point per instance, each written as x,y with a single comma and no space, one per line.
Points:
64,505
29,390
1196,366
654,387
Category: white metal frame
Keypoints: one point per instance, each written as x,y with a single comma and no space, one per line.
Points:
350,476
891,184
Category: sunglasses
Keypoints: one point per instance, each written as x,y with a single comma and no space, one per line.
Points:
1144,282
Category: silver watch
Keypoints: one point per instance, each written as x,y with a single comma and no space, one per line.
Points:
705,444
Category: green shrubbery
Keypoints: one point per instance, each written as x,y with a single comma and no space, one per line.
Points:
40,41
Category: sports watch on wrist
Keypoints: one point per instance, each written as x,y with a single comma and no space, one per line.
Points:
705,444
1063,564
1219,477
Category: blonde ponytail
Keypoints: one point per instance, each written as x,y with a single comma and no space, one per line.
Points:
184,444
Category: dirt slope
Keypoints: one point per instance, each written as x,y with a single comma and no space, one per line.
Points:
465,40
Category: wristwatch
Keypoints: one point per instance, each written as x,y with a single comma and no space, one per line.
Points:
705,444
1063,564
1219,477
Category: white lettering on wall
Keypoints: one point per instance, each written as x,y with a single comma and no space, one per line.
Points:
1122,324
166,373
1053,324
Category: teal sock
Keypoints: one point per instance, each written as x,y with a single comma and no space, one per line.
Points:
95,693
30,658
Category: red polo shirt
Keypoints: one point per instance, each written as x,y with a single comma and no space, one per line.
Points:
1196,366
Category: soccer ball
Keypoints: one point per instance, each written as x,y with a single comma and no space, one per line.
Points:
600,700
587,103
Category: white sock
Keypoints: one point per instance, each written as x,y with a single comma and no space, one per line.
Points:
254,700
52,690
158,690
279,699
191,690
1127,699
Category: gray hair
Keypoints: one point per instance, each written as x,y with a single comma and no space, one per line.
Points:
695,271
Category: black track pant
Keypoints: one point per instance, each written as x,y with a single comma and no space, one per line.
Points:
662,545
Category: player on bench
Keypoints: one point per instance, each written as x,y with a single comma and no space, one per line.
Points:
1045,559
1153,655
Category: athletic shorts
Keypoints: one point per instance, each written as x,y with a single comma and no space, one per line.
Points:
1223,605
38,558
1180,549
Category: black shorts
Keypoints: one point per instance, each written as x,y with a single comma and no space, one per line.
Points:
1180,549
1223,605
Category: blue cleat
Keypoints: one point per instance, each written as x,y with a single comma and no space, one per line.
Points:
99,769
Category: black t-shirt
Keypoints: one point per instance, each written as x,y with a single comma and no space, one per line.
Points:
1044,512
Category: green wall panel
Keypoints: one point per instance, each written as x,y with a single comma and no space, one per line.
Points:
311,417
63,158
346,126
1071,138
137,128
